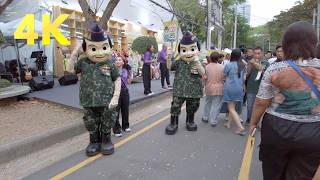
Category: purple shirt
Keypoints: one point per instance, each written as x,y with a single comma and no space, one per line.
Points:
162,57
147,58
124,79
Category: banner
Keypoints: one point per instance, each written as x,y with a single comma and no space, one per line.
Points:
170,31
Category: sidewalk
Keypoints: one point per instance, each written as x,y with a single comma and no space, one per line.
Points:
69,95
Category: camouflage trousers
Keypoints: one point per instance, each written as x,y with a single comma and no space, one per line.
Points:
192,105
99,119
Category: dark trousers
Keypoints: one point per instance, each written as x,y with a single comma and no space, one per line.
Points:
146,76
164,74
192,105
289,150
123,106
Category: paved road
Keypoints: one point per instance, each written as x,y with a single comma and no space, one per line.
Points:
212,153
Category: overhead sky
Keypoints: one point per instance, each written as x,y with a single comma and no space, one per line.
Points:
263,11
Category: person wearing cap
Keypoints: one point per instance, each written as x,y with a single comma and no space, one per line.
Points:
227,56
187,83
99,89
213,89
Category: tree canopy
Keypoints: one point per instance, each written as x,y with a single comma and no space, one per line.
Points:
140,44
274,29
302,11
191,17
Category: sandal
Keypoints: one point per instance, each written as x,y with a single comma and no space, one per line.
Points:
241,132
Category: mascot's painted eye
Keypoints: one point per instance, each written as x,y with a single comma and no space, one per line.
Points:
184,50
104,48
93,49
192,49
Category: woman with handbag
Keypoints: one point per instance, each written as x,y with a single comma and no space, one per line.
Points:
288,101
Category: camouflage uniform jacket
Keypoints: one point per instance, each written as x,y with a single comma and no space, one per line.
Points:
186,84
96,88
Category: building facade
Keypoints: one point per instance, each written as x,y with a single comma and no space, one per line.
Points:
244,10
215,24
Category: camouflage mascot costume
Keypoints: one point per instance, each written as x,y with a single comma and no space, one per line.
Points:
99,89
187,83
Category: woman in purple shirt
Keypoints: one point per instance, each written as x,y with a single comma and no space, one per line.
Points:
162,58
124,99
146,70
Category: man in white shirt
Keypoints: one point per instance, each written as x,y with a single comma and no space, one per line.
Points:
279,57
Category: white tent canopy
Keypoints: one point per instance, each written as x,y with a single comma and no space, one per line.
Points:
9,28
9,52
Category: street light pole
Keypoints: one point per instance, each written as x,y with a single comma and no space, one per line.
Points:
318,19
208,26
235,27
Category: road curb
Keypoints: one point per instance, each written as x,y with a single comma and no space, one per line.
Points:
9,152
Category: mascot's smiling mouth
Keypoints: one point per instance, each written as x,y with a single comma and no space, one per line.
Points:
100,57
191,56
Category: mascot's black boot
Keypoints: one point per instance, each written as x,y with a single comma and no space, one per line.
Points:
172,128
191,126
94,146
107,147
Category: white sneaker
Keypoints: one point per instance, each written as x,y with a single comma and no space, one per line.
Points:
118,135
150,94
127,130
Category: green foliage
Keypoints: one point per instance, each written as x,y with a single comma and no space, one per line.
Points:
302,11
4,83
193,17
140,44
1,37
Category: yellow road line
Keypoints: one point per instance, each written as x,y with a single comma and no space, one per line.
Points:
117,145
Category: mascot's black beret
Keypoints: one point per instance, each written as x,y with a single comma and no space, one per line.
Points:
187,39
95,33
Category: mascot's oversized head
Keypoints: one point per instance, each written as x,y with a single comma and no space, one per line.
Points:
189,47
96,45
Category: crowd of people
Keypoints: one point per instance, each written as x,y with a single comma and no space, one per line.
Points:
272,89
282,90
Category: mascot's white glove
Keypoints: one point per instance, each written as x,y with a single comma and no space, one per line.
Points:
199,66
115,98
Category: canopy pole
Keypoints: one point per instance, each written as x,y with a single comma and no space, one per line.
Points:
18,60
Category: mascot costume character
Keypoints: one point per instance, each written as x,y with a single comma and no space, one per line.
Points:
99,89
187,83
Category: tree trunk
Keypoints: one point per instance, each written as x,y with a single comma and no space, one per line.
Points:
87,12
4,5
107,13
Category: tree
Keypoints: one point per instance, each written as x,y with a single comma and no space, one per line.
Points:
140,44
4,5
90,15
302,11
191,17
